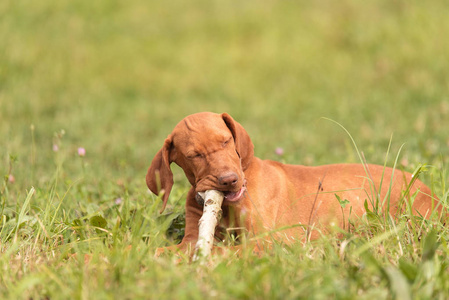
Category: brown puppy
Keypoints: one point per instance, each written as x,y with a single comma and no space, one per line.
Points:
216,153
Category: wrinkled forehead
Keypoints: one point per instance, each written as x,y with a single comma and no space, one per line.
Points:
198,130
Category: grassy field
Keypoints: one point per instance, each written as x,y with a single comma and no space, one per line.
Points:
115,77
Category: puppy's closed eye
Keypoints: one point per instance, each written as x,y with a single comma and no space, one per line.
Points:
227,142
194,155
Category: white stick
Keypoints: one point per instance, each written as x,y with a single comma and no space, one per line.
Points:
211,215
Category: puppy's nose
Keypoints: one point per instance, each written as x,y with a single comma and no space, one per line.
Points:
228,179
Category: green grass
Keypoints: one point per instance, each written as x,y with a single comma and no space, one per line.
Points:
115,78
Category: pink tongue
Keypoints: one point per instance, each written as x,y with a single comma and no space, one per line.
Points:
234,195
230,196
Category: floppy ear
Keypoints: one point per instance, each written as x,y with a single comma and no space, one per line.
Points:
243,144
159,176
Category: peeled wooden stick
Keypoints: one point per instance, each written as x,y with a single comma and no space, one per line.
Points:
211,215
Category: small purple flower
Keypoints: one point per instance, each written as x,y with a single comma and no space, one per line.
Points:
11,178
279,151
118,201
81,151
55,148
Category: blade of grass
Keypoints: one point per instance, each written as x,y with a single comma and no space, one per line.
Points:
374,200
378,239
22,212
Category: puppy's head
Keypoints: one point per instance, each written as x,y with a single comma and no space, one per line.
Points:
212,149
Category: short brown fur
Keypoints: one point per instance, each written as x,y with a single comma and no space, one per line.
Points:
209,147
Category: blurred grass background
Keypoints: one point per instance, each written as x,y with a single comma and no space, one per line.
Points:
117,76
